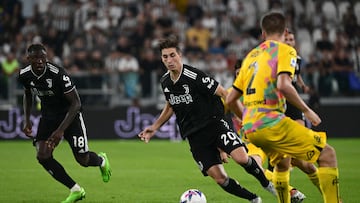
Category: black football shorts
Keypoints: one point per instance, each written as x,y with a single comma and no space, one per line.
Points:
75,134
204,143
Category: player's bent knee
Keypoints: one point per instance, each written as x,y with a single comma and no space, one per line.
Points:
43,157
218,174
328,157
221,180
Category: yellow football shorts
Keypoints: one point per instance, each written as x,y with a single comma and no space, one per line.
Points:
289,138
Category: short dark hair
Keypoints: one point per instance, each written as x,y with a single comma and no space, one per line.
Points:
273,23
169,42
35,48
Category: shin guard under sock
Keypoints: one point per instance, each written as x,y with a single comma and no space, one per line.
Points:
57,171
254,169
233,187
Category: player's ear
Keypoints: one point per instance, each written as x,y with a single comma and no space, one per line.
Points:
263,35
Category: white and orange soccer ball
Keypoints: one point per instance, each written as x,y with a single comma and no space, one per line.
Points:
193,196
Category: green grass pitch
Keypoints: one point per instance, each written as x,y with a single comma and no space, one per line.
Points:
157,172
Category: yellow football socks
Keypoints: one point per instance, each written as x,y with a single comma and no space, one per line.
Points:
329,184
269,176
314,178
281,182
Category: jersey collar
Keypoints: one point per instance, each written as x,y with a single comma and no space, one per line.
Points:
180,73
39,76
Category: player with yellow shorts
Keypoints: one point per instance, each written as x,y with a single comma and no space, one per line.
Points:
305,143
265,83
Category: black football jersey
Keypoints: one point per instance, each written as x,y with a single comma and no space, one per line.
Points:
297,70
193,99
50,87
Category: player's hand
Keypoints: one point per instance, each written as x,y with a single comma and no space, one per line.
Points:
28,130
224,157
54,139
306,89
312,117
146,134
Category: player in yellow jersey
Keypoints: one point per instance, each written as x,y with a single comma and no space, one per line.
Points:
260,157
265,83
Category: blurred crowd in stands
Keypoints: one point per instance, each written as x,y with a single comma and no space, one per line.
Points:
112,44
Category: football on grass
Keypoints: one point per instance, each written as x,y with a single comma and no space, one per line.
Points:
193,196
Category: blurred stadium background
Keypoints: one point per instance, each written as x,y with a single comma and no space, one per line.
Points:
110,45
110,48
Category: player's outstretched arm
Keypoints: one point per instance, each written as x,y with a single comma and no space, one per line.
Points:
149,131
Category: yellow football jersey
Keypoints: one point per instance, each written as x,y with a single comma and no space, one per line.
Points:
263,102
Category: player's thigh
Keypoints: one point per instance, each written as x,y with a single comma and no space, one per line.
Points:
304,143
228,140
266,140
289,138
205,158
76,136
204,151
46,127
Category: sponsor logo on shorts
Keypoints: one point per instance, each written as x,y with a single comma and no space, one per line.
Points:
317,138
310,154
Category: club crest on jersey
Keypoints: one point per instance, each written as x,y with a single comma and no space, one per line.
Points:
187,89
49,82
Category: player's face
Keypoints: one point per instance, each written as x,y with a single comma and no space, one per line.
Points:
37,60
290,39
171,59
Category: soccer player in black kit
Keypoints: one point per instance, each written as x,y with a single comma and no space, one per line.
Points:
60,118
195,98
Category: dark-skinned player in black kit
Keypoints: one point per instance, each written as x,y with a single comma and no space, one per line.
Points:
61,118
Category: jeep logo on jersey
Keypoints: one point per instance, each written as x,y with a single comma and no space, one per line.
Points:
43,92
183,98
209,81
